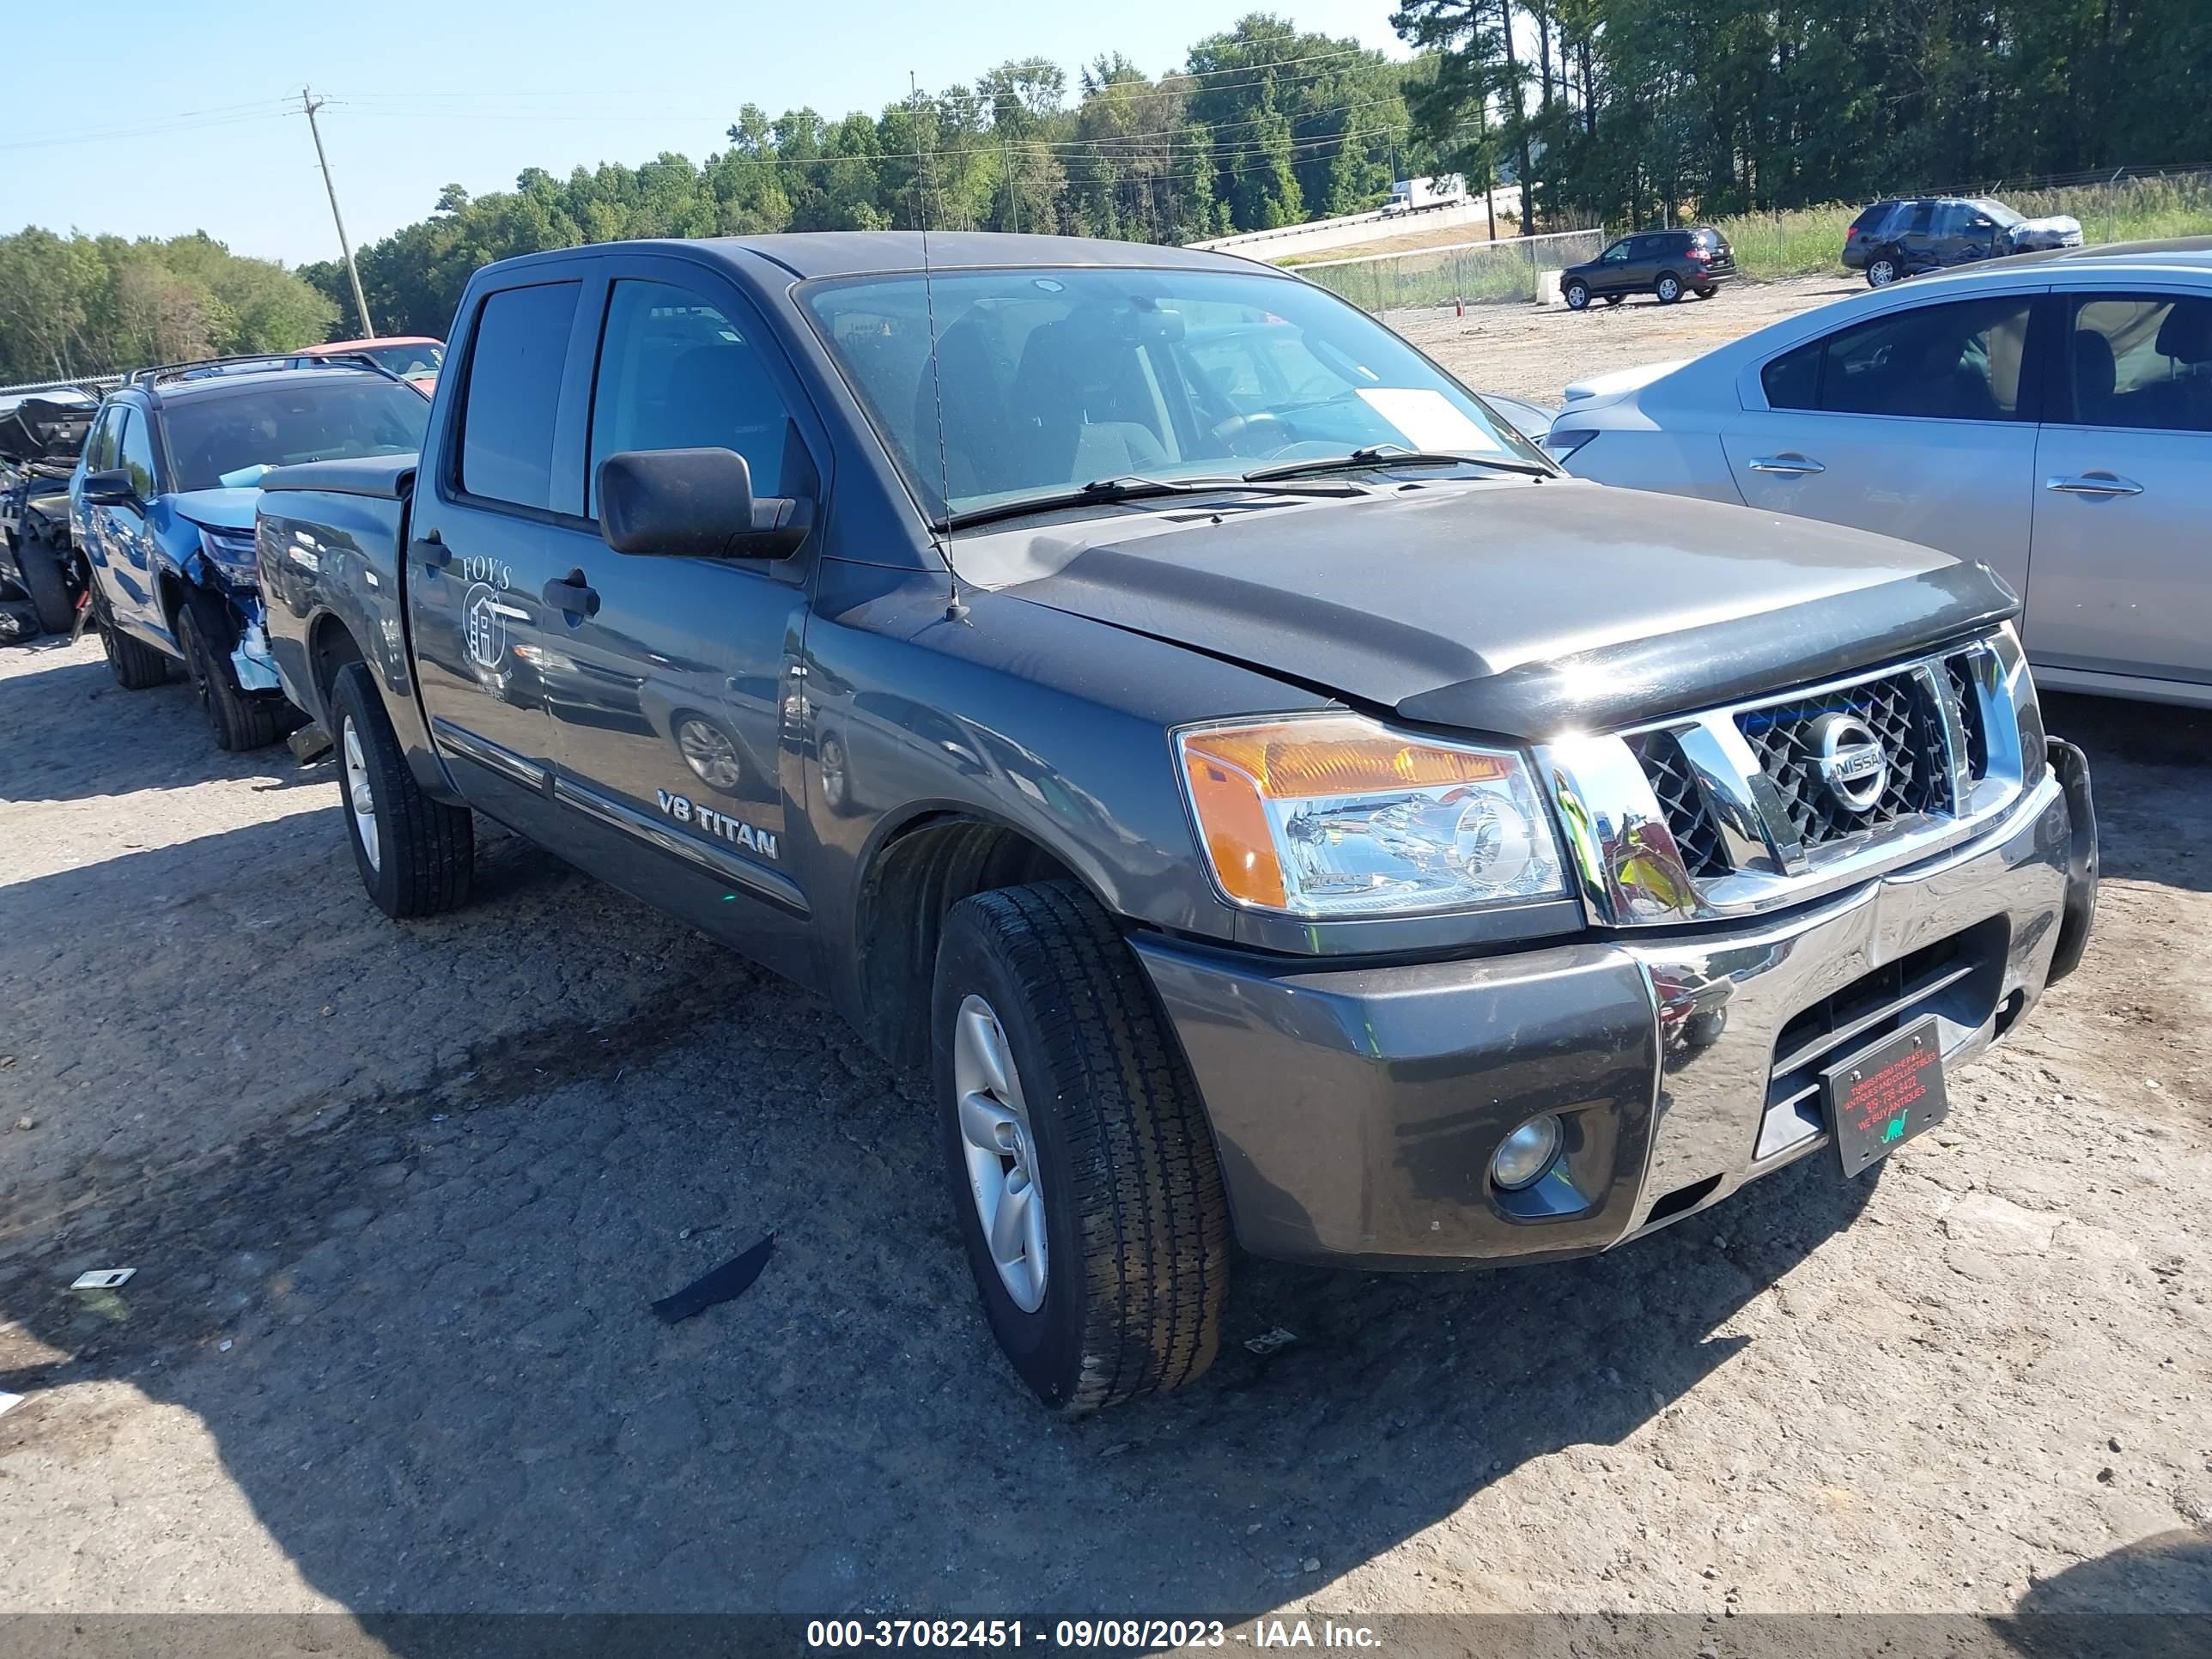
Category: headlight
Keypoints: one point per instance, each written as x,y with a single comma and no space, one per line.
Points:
231,552
1336,816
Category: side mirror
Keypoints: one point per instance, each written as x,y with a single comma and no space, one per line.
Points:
696,503
110,488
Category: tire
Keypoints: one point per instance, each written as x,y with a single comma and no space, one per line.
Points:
1884,268
137,665
1707,292
47,580
1111,1138
239,718
1668,287
1576,293
418,856
1614,298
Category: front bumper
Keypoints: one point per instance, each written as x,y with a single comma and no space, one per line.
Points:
1356,1110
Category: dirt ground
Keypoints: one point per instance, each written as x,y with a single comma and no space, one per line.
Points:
1533,353
397,1197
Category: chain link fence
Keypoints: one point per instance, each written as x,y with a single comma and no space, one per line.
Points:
1471,273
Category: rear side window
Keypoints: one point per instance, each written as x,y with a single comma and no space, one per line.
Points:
1957,363
514,394
1870,221
2143,362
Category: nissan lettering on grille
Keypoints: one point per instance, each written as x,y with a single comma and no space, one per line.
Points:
1853,768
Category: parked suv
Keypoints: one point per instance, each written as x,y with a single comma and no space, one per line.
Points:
1896,239
1305,813
161,506
1665,263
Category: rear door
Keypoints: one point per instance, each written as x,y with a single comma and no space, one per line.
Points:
1918,423
498,521
2122,579
668,705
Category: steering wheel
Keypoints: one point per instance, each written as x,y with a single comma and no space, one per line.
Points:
1259,433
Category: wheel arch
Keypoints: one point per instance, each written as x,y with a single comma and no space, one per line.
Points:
914,873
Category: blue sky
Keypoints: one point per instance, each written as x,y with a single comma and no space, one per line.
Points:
183,127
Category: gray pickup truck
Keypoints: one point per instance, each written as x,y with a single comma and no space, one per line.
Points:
1277,801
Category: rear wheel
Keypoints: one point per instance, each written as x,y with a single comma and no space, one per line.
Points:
417,856
1576,293
1884,268
135,665
238,718
40,563
1668,287
1081,1163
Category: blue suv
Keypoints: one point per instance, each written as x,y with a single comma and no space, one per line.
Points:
162,500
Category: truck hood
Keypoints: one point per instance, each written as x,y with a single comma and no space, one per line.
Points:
1526,609
218,509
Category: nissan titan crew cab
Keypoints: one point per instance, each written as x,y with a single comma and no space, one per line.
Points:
1276,801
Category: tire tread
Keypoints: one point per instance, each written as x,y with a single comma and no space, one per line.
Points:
428,847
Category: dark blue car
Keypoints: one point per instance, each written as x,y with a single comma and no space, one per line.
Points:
161,503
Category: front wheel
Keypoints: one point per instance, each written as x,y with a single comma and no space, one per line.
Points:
1668,287
1707,292
1614,298
417,856
239,718
1081,1163
1576,293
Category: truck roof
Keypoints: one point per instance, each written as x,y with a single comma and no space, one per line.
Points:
863,253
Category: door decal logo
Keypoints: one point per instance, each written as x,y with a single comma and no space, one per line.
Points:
736,832
484,614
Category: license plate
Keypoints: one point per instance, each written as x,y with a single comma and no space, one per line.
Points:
1883,1096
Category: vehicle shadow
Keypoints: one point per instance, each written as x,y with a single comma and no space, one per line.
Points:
2148,765
74,734
395,1259
2150,1600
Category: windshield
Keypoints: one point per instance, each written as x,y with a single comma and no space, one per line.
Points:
408,361
1999,212
310,416
1052,379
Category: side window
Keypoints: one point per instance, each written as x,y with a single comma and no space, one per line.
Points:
514,392
1950,218
135,455
1648,247
675,372
100,447
1793,380
2143,362
1618,252
1955,362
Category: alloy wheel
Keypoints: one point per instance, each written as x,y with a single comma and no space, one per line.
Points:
1000,1149
362,797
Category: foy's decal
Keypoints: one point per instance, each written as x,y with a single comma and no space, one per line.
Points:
734,830
484,614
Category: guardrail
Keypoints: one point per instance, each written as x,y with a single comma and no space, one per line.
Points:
1470,273
85,383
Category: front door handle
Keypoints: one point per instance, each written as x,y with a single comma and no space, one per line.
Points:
572,596
2093,483
1789,465
433,552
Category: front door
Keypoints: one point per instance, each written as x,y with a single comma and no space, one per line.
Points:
496,530
1916,424
1608,275
669,716
2122,555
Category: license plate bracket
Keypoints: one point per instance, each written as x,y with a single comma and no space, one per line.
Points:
1883,1096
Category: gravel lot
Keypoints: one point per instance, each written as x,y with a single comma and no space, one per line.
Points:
397,1197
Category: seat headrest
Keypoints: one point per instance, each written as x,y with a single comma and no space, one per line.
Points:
2185,336
2095,372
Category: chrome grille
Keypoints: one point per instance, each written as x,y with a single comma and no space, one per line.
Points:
1726,813
1689,815
1898,709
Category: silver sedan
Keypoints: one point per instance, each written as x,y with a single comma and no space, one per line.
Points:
2048,416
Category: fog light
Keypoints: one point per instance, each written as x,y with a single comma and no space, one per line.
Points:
1528,1152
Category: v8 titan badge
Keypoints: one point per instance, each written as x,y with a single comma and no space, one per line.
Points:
1883,1096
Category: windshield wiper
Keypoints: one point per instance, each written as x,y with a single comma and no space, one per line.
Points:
1130,488
1394,455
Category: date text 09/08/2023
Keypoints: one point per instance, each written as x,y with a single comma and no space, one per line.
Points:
831,1635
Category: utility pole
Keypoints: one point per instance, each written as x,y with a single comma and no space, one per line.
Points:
360,300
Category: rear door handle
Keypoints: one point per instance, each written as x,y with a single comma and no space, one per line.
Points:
2093,483
572,596
1789,465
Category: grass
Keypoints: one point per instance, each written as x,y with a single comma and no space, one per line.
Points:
1807,241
